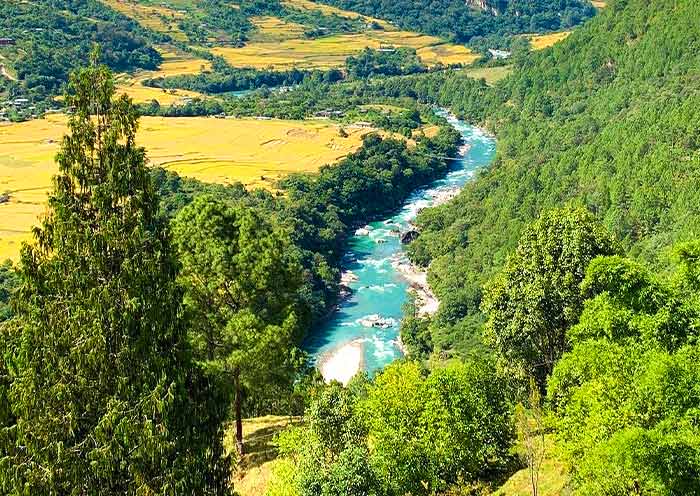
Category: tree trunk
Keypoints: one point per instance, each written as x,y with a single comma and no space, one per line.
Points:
239,419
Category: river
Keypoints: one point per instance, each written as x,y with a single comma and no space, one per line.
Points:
364,333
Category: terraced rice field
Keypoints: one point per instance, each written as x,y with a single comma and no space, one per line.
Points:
331,51
329,10
154,17
175,62
271,29
254,152
540,42
446,54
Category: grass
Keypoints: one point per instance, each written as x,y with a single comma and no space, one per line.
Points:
553,477
254,152
331,51
490,74
542,41
255,469
177,62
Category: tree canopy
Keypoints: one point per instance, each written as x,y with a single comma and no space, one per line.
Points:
103,395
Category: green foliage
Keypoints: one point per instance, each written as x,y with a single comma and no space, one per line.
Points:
8,282
429,432
536,298
460,21
330,452
628,303
606,119
405,432
54,36
102,392
225,78
626,397
628,418
390,62
241,280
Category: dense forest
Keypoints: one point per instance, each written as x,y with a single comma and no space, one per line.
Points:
53,37
594,122
464,21
153,312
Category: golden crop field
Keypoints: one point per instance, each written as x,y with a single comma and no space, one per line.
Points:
331,51
175,62
143,94
275,29
154,17
329,10
446,54
542,41
254,152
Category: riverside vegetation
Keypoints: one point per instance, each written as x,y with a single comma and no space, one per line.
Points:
568,275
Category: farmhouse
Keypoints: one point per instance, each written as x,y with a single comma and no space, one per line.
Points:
329,113
499,54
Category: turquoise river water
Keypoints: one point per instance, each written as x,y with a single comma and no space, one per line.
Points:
379,289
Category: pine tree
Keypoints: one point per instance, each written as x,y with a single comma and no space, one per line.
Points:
241,280
103,393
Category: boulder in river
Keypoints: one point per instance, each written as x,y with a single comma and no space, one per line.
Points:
377,321
409,237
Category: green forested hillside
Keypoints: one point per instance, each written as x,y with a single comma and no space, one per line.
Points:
54,37
607,119
464,20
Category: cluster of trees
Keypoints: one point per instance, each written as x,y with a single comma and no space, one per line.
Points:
614,345
408,431
348,102
53,37
100,391
606,125
225,79
132,339
462,22
388,62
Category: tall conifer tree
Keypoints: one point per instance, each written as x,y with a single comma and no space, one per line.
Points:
104,397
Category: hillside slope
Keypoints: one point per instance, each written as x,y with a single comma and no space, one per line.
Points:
608,119
463,20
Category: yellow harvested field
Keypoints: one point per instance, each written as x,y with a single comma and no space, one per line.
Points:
329,10
176,62
154,17
331,51
447,54
254,152
275,29
539,42
144,94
